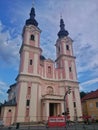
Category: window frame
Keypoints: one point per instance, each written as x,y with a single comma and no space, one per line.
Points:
67,47
27,103
70,69
30,62
32,37
74,104
49,69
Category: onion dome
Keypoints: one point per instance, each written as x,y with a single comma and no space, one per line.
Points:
62,33
32,20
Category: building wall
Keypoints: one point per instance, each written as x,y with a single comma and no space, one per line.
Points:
21,102
89,108
8,115
40,83
44,74
84,108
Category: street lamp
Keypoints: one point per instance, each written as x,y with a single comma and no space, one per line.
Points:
67,92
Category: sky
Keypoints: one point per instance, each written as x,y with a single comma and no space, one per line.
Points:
81,21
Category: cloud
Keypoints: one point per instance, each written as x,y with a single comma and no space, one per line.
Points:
87,85
9,46
80,19
3,90
86,56
90,82
3,86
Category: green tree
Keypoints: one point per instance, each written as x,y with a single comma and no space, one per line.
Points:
82,94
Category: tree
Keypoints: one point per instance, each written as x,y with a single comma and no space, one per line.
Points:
82,94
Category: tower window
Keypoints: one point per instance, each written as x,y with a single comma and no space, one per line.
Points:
29,91
9,110
49,69
32,38
28,103
70,69
31,61
67,47
74,103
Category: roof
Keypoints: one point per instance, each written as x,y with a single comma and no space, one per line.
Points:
10,103
91,95
32,20
11,86
62,33
42,57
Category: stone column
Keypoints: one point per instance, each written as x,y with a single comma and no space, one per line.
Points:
62,107
47,110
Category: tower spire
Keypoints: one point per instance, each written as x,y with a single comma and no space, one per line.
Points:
60,15
33,3
32,20
62,33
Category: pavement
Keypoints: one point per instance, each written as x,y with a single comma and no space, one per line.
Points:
43,127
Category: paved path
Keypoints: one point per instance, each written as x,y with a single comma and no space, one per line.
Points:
71,127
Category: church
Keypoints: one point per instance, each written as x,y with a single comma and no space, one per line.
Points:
43,86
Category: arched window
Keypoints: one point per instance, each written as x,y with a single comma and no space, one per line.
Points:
70,69
74,104
67,47
49,69
28,103
31,62
32,37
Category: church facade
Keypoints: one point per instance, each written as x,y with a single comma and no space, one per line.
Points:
42,85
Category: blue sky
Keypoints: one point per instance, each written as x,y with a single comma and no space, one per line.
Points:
81,21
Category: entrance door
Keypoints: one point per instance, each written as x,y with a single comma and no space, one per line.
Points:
53,109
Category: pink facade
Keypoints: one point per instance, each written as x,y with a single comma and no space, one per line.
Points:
41,86
30,66
8,118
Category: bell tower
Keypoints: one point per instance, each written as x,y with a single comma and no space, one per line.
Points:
65,60
64,53
28,78
30,49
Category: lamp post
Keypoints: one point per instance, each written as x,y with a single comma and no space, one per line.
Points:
67,92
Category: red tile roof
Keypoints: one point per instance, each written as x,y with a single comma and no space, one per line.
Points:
91,95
